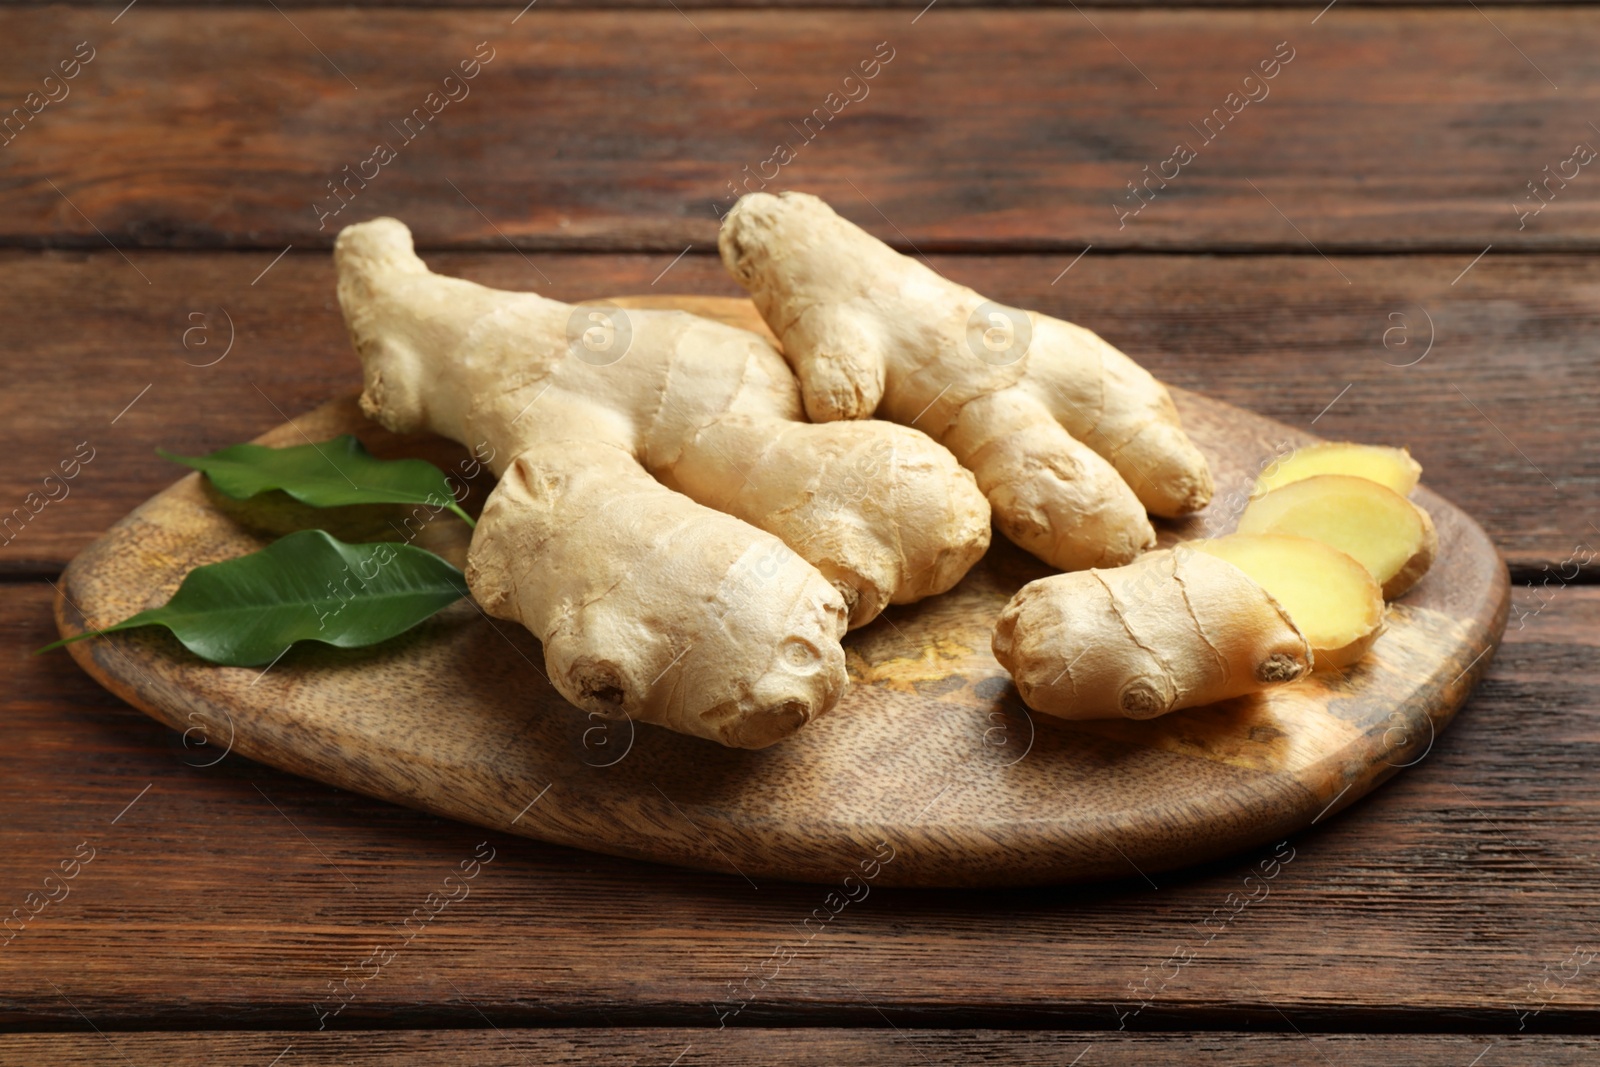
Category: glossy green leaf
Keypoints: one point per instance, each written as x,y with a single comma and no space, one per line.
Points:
308,586
325,474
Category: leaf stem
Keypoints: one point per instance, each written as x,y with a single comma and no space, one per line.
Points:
52,646
461,513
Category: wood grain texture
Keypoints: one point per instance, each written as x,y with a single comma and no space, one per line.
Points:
1500,403
1433,904
219,898
612,130
611,5
795,1048
860,795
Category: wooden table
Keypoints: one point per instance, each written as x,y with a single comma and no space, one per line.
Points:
1359,249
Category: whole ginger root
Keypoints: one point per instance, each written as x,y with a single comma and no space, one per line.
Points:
687,549
1070,440
1175,629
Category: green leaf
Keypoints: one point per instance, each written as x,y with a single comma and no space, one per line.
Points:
330,474
246,612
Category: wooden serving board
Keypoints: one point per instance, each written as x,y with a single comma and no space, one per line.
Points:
930,771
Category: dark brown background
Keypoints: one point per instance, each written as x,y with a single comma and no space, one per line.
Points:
1354,200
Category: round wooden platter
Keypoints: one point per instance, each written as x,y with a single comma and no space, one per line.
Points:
930,771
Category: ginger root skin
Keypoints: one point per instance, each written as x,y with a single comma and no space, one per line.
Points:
687,549
1418,565
1174,629
1331,597
1071,441
1392,468
728,310
736,639
1389,535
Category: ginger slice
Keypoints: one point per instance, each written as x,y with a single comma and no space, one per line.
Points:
1391,467
1388,534
1331,597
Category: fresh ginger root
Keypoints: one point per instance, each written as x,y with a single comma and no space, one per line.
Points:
1332,598
1175,629
688,550
1056,423
1390,467
1388,534
728,310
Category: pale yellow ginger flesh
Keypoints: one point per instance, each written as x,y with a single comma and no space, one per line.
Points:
1390,467
689,551
1070,440
1382,530
1332,599
1175,629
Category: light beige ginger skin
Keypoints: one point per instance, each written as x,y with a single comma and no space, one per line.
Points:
664,523
1175,629
1056,424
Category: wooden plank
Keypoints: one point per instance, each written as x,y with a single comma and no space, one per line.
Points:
799,1048
913,6
1414,128
1493,409
233,895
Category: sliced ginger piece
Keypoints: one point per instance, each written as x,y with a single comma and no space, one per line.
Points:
1382,530
1331,597
1390,467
